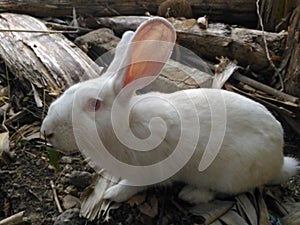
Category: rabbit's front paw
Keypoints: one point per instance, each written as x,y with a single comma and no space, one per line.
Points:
195,195
121,193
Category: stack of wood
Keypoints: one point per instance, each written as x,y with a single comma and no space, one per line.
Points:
41,58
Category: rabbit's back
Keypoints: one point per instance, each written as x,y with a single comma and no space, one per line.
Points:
251,148
251,139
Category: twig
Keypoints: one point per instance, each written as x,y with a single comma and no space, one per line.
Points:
30,154
55,197
40,31
263,101
266,46
8,82
9,172
66,27
74,21
109,9
265,88
14,219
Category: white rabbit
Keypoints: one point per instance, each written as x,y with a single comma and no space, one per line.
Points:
213,140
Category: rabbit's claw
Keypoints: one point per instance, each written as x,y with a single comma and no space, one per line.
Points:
196,195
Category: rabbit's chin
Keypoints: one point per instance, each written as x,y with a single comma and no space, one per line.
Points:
64,147
66,151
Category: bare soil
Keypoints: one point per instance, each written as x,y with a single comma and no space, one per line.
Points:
25,186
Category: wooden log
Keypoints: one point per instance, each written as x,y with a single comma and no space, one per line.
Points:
244,45
241,12
41,60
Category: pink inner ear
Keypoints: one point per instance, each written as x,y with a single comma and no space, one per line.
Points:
150,49
142,69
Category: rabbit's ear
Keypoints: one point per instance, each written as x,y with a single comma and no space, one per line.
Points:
146,52
120,59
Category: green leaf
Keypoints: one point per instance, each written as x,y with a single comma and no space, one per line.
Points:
53,158
22,143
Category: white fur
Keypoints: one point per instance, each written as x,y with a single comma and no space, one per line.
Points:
289,168
250,155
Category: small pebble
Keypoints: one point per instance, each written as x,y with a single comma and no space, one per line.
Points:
66,159
67,169
80,179
71,190
70,217
51,168
59,187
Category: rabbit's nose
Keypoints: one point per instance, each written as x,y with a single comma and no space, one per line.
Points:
48,135
47,130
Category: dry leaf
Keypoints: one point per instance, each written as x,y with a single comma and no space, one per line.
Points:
4,142
232,217
248,208
211,211
5,154
4,92
137,200
38,100
92,203
223,71
27,132
183,24
151,209
293,218
217,222
263,215
203,22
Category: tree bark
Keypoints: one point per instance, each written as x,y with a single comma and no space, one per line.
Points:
241,12
291,63
275,13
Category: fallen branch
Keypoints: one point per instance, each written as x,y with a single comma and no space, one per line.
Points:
265,88
14,219
289,116
262,101
243,45
237,11
61,27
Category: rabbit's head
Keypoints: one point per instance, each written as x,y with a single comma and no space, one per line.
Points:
139,57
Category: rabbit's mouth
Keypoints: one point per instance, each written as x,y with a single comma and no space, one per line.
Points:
64,148
67,152
60,144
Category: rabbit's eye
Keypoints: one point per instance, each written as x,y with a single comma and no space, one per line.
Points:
93,104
